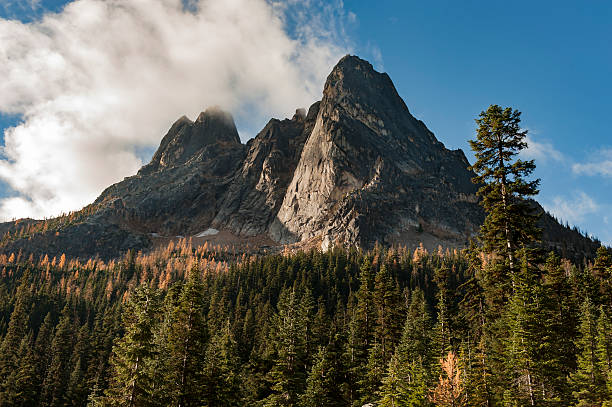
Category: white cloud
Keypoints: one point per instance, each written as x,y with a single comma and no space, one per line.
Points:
541,151
601,165
104,79
574,209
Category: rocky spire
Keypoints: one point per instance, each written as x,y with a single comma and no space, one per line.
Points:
186,139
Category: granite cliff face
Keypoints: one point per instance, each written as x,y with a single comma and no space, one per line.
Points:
372,172
355,169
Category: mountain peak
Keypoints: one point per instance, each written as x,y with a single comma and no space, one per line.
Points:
355,169
186,139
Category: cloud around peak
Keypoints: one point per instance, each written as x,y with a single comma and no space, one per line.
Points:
103,79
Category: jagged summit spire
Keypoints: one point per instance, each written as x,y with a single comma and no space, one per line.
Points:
186,138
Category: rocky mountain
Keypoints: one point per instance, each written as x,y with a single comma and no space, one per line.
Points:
355,169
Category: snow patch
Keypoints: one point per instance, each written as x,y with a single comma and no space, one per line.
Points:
207,232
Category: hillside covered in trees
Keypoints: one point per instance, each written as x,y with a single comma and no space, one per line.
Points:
185,326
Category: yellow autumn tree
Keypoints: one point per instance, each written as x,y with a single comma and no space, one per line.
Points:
449,392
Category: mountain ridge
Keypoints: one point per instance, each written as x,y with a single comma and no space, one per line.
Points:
355,169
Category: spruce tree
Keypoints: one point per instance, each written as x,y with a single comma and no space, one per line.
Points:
604,350
132,378
587,382
12,341
287,376
409,371
221,371
324,380
510,221
186,342
55,385
557,352
363,315
522,336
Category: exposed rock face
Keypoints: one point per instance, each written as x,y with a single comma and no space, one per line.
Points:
181,190
257,190
356,169
371,172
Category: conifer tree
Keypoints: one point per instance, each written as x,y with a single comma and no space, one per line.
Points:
449,391
132,379
604,350
442,328
21,384
557,352
77,390
55,385
324,379
287,375
602,269
476,340
221,377
408,372
387,302
186,342
17,330
510,221
522,337
587,382
363,315
393,390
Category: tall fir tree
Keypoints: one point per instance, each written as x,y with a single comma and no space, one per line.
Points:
221,371
363,316
587,381
287,376
132,378
510,221
55,385
187,338
523,336
9,348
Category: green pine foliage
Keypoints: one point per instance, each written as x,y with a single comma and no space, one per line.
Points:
310,328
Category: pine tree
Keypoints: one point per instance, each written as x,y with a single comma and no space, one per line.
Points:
132,379
393,391
16,331
24,378
442,327
604,350
77,386
186,342
408,372
324,380
55,385
557,352
363,316
476,343
287,375
221,377
587,382
602,269
523,339
387,302
510,221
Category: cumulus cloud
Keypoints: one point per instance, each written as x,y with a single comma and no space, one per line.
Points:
601,165
541,151
573,209
104,79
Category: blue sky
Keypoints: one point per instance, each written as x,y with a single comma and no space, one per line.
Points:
449,60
